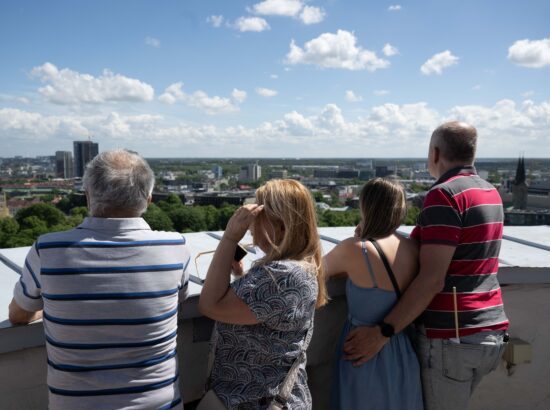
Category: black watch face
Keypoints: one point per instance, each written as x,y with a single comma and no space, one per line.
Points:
386,329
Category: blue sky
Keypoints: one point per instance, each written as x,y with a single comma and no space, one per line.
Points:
291,78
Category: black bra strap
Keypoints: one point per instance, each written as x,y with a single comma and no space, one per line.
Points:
388,267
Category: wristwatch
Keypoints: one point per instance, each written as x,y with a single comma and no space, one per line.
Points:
386,329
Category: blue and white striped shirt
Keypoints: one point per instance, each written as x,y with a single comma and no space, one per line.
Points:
109,289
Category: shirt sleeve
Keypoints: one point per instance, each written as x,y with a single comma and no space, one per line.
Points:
184,283
27,292
439,221
274,297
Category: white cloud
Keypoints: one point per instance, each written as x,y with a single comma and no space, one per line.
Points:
389,50
335,51
14,98
266,92
287,8
532,54
395,7
201,100
66,86
381,92
312,15
215,20
256,24
528,94
273,76
152,42
476,87
351,97
438,62
238,95
385,130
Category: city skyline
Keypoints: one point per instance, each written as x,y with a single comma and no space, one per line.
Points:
284,78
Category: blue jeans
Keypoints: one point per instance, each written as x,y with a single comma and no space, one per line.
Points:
451,371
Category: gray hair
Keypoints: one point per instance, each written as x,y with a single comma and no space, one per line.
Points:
118,180
456,141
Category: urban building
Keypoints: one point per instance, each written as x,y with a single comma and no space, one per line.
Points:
4,210
328,172
218,171
250,173
64,165
526,218
218,199
382,171
84,152
539,188
278,174
347,173
519,187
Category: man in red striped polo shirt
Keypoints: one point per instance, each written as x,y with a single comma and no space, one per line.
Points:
459,231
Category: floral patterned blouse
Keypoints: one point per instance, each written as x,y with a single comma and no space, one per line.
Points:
251,361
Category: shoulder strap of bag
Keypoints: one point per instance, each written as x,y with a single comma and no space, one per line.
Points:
388,267
286,387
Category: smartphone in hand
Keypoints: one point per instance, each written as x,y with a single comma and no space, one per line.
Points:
240,253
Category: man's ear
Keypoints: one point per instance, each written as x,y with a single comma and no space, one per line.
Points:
87,200
436,155
149,199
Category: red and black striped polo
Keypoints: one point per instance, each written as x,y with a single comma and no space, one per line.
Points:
465,211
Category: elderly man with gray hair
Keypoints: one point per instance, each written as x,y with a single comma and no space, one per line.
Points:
108,295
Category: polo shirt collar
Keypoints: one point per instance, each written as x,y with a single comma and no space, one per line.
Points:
114,224
462,169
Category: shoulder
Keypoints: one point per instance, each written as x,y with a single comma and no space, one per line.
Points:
284,273
349,245
70,235
166,235
409,245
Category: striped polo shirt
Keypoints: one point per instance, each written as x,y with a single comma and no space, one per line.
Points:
109,289
464,211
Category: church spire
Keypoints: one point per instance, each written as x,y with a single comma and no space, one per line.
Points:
520,171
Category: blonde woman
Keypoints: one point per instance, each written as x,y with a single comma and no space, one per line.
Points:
379,265
263,317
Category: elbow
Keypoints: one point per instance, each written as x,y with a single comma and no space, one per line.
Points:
433,284
17,319
437,284
204,307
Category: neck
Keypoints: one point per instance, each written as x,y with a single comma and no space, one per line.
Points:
446,167
116,215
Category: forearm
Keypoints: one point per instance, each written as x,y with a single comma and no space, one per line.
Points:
218,276
414,301
19,316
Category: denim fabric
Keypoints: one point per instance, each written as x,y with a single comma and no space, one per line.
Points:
451,371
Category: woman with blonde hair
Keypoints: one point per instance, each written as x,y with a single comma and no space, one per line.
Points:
379,264
265,318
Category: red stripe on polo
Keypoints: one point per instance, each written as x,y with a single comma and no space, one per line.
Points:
466,301
442,234
475,267
484,232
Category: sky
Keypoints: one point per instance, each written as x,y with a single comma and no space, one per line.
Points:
273,78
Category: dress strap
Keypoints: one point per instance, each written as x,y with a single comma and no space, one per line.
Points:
388,267
369,266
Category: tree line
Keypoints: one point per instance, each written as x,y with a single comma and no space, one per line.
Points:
166,215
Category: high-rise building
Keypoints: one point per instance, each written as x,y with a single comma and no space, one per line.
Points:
64,166
84,152
218,171
250,173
